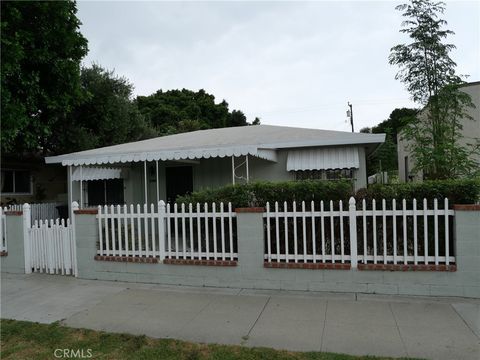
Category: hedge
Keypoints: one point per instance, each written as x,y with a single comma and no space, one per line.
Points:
259,193
466,191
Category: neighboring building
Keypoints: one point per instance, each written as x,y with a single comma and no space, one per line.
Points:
165,167
470,134
30,180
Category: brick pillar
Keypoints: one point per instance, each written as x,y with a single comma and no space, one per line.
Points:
467,253
250,241
14,261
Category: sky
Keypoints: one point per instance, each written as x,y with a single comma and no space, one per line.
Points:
288,63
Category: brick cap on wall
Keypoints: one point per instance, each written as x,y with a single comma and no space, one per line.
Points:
14,212
408,267
200,262
250,210
86,211
466,207
144,260
312,266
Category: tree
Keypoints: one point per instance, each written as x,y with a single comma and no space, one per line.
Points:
107,115
40,71
385,158
174,111
429,73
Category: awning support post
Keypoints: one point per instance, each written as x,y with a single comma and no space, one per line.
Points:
145,178
70,191
248,175
81,187
158,191
233,169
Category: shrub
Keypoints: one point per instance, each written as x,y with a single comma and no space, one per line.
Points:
259,193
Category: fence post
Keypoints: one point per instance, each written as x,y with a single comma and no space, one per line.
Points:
75,206
27,222
161,229
352,215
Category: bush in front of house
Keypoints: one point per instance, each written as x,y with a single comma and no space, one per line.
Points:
259,193
462,191
465,191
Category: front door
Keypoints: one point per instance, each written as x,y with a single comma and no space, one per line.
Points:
179,181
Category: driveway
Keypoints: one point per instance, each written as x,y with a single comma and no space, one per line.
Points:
357,324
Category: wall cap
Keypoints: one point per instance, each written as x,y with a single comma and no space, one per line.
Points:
86,211
14,212
250,210
466,207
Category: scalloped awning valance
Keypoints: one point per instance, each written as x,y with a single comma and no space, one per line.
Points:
96,173
190,154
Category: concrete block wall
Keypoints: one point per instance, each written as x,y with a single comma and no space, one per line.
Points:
250,271
14,260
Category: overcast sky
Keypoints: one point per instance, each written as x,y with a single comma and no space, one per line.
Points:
289,63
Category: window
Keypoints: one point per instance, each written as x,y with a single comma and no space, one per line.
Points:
309,175
331,174
337,174
16,182
105,192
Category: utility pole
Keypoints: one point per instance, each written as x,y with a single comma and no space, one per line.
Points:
350,114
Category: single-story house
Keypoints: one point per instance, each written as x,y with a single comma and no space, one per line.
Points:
470,135
165,167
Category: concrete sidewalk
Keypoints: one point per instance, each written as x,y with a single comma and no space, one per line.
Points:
433,328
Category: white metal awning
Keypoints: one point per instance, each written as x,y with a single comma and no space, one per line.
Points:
323,158
190,154
96,173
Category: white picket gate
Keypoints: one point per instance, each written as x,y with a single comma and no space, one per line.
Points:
52,247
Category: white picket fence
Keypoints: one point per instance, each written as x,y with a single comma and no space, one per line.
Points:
193,232
3,231
39,211
52,247
314,235
329,233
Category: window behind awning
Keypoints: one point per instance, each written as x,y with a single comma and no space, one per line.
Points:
96,173
323,158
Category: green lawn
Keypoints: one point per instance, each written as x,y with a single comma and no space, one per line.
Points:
27,340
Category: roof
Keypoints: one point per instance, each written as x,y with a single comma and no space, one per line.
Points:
257,140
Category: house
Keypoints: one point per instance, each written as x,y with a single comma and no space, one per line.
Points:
163,168
28,179
470,134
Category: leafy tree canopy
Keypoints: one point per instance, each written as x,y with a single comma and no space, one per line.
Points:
385,158
40,71
107,115
175,111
